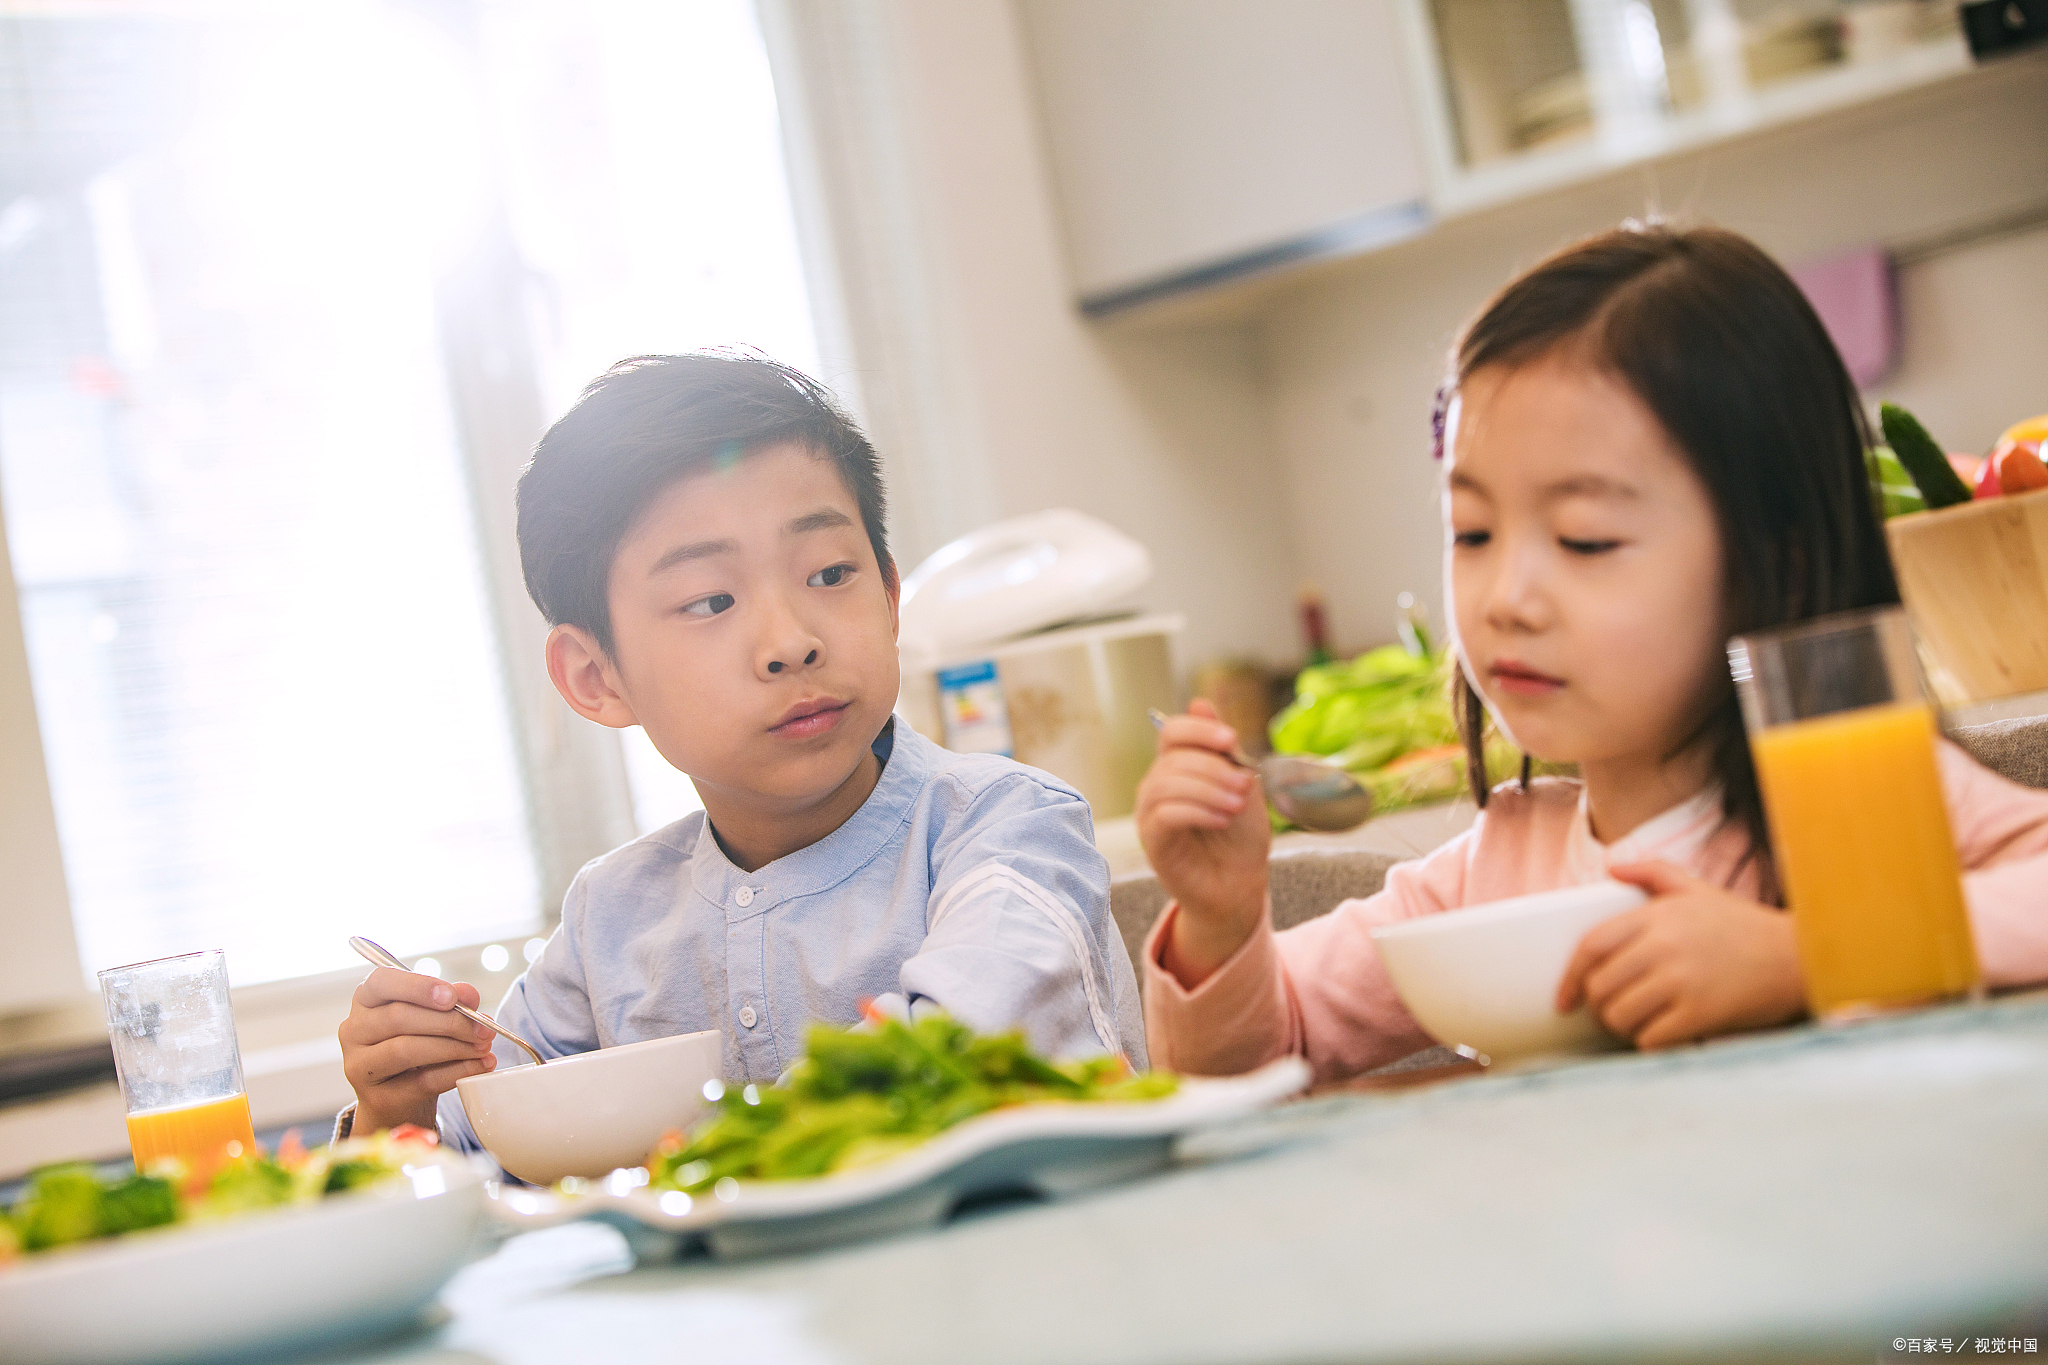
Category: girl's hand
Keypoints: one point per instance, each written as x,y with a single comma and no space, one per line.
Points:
1202,820
1698,960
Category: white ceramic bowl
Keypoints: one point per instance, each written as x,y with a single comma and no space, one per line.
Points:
594,1112
270,1282
1485,977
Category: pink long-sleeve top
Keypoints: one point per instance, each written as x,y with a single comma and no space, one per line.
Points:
1319,990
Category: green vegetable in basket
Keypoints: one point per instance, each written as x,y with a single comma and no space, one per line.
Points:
1891,485
1937,479
858,1097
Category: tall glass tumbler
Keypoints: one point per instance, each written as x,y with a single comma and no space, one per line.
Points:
179,1062
1842,731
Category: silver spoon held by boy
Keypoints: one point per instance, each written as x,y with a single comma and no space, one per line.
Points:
374,952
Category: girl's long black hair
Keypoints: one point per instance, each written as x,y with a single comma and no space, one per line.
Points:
1717,341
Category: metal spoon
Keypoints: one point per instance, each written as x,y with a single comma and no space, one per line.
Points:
1317,796
374,952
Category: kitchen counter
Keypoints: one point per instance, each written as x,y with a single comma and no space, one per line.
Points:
1404,833
1812,1194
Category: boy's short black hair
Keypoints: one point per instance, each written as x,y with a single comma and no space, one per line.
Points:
647,422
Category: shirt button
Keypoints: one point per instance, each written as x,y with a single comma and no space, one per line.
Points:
744,897
747,1016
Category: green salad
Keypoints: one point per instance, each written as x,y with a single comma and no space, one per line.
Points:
863,1096
71,1203
1386,717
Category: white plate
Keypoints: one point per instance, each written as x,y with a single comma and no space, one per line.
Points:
1046,1150
352,1264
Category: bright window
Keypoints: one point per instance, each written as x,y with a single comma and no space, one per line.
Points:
645,183
273,702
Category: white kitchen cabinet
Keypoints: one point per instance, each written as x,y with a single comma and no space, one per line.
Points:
1196,141
1519,96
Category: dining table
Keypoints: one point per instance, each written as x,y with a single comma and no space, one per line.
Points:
1823,1192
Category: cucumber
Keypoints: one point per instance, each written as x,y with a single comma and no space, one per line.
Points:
1890,485
1937,479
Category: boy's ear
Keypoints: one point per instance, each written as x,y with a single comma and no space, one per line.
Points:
585,677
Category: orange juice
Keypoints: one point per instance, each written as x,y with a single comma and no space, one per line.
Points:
197,1134
1866,858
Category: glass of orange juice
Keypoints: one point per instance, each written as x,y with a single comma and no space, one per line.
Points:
179,1062
1842,731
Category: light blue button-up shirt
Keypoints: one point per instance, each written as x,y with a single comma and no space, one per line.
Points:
964,880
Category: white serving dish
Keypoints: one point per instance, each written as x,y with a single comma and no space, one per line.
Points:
1046,1150
1485,977
593,1112
352,1265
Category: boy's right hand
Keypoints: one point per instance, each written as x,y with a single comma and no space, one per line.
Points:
403,1045
1202,820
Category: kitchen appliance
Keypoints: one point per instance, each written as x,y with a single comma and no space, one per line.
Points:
1019,639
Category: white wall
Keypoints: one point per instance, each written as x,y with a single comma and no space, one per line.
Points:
1355,350
984,389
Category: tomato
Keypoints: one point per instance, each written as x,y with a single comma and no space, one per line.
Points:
1967,468
1986,485
2019,467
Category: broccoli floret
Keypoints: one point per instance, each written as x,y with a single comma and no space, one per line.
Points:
353,1174
63,1205
247,1183
140,1201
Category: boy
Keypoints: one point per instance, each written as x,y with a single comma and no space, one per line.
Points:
704,534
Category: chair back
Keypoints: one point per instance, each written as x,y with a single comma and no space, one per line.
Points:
1303,886
2015,749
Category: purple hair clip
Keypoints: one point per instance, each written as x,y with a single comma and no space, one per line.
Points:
1439,416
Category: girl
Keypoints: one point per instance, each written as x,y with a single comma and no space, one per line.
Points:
1650,445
